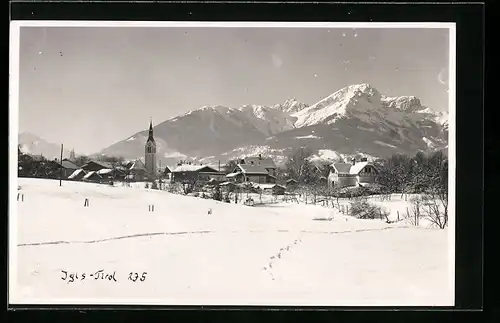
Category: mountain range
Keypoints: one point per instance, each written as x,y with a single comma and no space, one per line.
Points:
355,120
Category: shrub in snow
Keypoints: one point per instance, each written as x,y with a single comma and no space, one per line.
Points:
154,185
146,185
175,188
217,195
362,209
433,207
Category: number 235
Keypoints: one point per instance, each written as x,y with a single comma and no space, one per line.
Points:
135,276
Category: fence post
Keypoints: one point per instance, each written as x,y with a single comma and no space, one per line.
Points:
18,196
398,214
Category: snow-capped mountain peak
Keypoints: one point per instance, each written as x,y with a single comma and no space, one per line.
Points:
290,106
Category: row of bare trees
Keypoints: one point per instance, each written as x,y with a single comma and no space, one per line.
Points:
425,175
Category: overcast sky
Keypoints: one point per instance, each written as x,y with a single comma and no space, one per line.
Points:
91,87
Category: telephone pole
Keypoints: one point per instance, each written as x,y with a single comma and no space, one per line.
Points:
60,163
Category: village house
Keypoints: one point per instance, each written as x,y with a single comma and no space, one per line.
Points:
188,173
68,168
267,163
291,182
115,174
251,173
166,174
136,171
352,174
95,165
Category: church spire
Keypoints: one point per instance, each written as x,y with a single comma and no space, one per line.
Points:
150,137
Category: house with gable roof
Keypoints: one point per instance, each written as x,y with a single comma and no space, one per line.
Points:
68,168
251,173
352,174
136,171
188,172
266,163
254,169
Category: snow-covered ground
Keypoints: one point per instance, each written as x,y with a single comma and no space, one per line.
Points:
237,255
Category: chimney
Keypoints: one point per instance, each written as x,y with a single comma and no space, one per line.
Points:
260,156
354,161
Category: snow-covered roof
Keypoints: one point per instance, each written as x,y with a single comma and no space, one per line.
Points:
194,168
292,180
89,174
253,169
137,165
346,168
342,168
104,171
233,174
356,168
75,173
264,162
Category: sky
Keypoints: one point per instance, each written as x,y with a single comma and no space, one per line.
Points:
93,86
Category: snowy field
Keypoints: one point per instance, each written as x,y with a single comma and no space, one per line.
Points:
237,255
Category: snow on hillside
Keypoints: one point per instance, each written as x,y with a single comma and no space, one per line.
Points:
326,155
268,121
278,155
331,107
378,142
290,106
277,255
307,137
368,105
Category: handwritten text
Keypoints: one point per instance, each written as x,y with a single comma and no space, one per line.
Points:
101,275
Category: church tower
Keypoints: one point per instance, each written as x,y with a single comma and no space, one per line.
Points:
150,152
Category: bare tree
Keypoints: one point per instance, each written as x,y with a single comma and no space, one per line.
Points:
437,208
414,216
295,163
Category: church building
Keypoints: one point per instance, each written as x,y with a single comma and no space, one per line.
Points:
150,153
